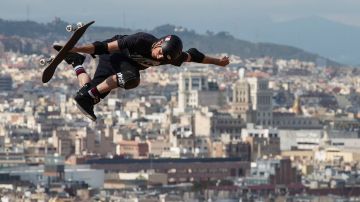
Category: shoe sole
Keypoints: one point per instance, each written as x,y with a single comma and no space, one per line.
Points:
83,111
58,47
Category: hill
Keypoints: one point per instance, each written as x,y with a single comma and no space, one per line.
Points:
331,39
32,37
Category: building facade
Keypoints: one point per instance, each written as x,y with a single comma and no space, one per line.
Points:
178,170
195,90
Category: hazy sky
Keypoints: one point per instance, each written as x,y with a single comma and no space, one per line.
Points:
200,15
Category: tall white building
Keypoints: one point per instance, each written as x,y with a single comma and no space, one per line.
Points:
195,90
261,100
241,106
252,100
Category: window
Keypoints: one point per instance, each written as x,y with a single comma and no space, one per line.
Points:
195,83
186,84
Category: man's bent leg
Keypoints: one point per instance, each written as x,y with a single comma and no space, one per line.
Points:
126,80
107,85
127,77
87,97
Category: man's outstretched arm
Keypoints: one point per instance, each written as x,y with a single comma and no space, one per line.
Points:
223,61
196,56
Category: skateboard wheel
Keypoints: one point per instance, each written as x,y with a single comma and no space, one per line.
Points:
46,61
79,24
69,28
42,62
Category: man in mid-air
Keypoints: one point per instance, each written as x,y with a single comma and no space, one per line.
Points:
120,60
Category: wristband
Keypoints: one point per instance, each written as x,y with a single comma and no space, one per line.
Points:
100,48
196,56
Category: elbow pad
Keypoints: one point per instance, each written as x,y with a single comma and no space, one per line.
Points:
100,48
196,56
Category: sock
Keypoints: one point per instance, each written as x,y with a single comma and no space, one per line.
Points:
79,70
94,93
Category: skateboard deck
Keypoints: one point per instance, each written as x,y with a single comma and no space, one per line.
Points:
51,67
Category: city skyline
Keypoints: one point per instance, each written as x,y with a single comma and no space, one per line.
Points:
258,121
198,125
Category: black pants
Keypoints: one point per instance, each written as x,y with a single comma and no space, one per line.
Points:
112,65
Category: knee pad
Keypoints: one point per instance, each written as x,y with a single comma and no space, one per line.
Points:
127,79
132,83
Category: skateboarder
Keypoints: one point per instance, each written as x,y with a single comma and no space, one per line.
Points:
120,60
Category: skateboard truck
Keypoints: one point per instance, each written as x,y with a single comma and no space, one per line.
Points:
73,28
46,61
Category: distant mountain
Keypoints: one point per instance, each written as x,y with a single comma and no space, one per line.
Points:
223,42
330,39
32,37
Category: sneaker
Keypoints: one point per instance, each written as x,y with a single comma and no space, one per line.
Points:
85,102
71,58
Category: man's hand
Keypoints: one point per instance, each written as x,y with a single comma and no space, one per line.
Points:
224,61
217,61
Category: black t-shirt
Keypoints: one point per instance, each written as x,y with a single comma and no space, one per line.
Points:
138,47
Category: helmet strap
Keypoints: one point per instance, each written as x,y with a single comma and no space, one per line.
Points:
156,44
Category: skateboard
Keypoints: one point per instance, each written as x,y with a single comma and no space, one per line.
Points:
52,62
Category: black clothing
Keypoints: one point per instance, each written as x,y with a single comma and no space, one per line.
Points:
113,64
138,47
134,55
85,103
